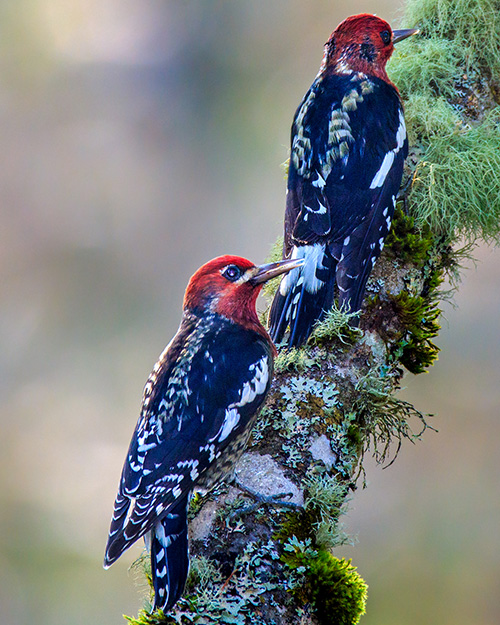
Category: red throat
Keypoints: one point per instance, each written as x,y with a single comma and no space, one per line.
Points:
239,306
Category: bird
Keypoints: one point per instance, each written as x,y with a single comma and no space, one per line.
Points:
198,406
348,146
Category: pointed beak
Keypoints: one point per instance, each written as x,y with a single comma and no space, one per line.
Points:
263,273
399,35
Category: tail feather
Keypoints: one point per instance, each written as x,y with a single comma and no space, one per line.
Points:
305,294
116,544
360,251
131,519
170,556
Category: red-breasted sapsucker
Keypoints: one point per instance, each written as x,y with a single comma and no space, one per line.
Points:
199,404
348,146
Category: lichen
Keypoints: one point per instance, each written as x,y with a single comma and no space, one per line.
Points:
337,324
383,418
294,359
317,520
448,77
472,25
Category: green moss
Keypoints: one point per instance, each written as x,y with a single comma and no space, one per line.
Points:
294,359
195,505
276,253
419,317
472,25
338,592
448,76
456,186
156,618
336,325
298,524
333,586
317,522
406,242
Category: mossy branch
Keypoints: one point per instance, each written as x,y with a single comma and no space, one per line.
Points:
335,399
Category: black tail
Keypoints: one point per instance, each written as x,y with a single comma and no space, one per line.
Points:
170,556
304,295
359,254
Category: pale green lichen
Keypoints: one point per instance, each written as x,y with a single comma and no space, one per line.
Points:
205,603
294,359
448,76
326,495
456,186
472,25
337,324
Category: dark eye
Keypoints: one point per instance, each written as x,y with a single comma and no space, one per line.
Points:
232,273
385,35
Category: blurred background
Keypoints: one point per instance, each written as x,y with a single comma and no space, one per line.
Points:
138,140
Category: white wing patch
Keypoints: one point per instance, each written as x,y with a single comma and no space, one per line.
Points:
319,211
251,389
385,167
231,420
319,182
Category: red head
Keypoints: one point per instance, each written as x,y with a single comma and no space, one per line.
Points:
362,43
229,286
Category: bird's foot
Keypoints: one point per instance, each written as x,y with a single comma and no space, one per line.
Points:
260,500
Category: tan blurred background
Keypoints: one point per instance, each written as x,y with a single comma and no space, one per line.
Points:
138,140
